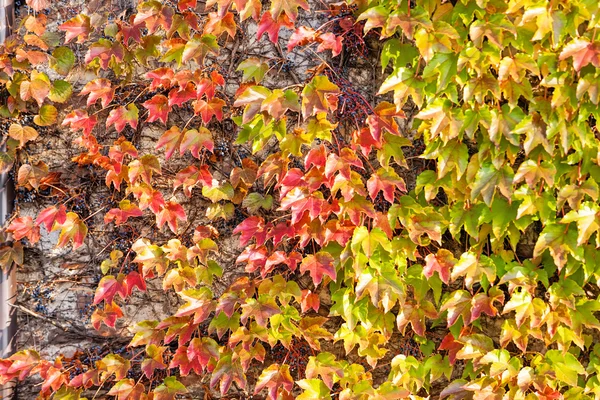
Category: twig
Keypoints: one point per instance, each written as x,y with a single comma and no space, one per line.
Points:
293,75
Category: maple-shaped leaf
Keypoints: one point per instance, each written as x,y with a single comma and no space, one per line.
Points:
178,96
583,52
189,177
121,116
329,41
127,389
317,265
226,371
273,378
196,139
98,89
483,303
199,46
199,303
253,69
219,24
458,304
170,213
587,221
125,211
300,201
148,197
203,350
107,315
260,309
301,37
144,167
279,102
450,344
73,229
207,86
171,140
106,52
182,5
108,287
22,363
442,263
169,389
23,227
154,360
79,119
320,95
32,175
251,227
287,7
158,108
473,268
271,26
415,314
326,366
387,181
23,134
51,215
210,108
78,27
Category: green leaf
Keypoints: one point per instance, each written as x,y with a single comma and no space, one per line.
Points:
46,116
62,60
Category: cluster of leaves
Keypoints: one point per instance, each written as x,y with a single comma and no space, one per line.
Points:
507,99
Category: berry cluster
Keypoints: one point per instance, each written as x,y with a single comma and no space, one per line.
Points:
296,356
352,105
409,347
25,196
41,296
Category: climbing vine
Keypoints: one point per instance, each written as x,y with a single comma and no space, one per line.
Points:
339,245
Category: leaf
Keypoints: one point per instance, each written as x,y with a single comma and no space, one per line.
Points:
583,53
121,116
287,7
275,377
565,366
587,221
125,211
319,264
78,27
489,178
23,227
51,215
62,60
158,108
108,287
60,91
320,95
198,47
253,69
98,89
127,389
227,371
169,389
473,268
443,263
73,229
46,116
313,389
260,309
107,315
208,109
31,175
386,181
23,134
170,213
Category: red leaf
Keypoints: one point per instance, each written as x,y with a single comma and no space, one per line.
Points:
317,265
161,77
134,279
182,5
79,119
123,213
442,263
299,201
72,229
105,51
171,140
301,37
108,315
179,96
208,86
385,181
78,27
330,42
279,231
23,227
110,286
203,351
130,31
208,109
196,139
310,300
169,214
121,116
252,227
158,108
98,89
50,215
271,27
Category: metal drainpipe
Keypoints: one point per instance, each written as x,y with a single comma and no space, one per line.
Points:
8,316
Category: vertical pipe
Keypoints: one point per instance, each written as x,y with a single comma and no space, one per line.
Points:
8,317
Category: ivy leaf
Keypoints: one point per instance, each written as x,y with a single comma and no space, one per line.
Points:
227,371
98,89
313,389
473,268
198,47
158,108
272,26
560,241
443,263
51,215
261,309
78,27
170,213
319,264
565,365
23,134
106,52
458,304
73,229
386,181
587,221
125,211
127,389
169,389
196,139
46,116
275,377
107,315
121,116
254,69
583,53
287,7
109,287
320,95
23,227
489,178
210,108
